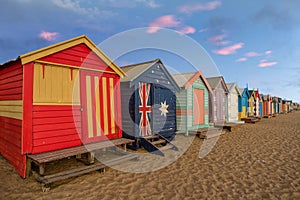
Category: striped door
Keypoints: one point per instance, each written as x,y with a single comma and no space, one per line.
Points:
98,107
198,107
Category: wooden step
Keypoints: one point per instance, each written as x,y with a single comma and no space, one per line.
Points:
81,170
151,137
168,146
211,134
158,142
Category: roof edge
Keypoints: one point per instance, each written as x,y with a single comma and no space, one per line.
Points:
34,55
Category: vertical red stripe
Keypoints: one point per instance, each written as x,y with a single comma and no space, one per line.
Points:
118,106
84,124
27,107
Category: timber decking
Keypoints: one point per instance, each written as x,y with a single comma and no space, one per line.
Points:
64,153
252,120
46,180
43,158
229,126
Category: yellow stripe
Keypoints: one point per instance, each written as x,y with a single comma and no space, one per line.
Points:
97,100
12,109
104,106
112,105
89,106
58,104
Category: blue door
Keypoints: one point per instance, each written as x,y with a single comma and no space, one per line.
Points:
164,111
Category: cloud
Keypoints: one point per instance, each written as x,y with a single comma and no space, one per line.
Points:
241,59
76,7
152,4
268,52
252,54
264,63
229,50
284,17
163,22
70,5
49,36
187,30
190,8
203,30
218,40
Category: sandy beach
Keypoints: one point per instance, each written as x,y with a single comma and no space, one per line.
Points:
257,161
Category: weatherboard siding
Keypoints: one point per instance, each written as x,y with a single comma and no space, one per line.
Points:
128,111
232,103
11,115
79,56
55,127
185,109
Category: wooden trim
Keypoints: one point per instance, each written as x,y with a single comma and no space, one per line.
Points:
197,75
29,57
72,67
11,109
26,139
55,104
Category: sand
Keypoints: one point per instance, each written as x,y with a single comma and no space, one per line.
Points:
257,161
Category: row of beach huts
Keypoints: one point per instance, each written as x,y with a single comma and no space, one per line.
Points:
70,99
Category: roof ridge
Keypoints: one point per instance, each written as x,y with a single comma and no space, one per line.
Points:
141,63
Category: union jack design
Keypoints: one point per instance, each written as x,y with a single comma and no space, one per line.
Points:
144,109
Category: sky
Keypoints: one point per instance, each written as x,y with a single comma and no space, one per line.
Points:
254,43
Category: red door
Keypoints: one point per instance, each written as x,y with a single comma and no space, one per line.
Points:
98,106
198,107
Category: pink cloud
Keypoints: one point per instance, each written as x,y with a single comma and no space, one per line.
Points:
252,54
264,63
241,59
203,30
200,7
268,52
162,22
188,30
49,36
219,43
229,50
217,38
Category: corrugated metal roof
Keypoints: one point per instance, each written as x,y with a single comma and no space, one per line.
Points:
183,78
214,81
241,90
230,85
135,70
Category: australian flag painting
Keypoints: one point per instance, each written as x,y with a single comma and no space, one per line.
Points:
145,109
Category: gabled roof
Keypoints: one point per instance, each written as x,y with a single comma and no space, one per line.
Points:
233,86
245,91
267,97
254,93
215,81
34,55
185,80
135,71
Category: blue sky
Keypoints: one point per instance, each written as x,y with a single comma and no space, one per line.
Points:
254,42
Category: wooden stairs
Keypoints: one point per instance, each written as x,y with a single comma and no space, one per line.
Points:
251,120
156,144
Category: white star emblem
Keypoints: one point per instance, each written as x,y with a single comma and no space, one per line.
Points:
164,108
